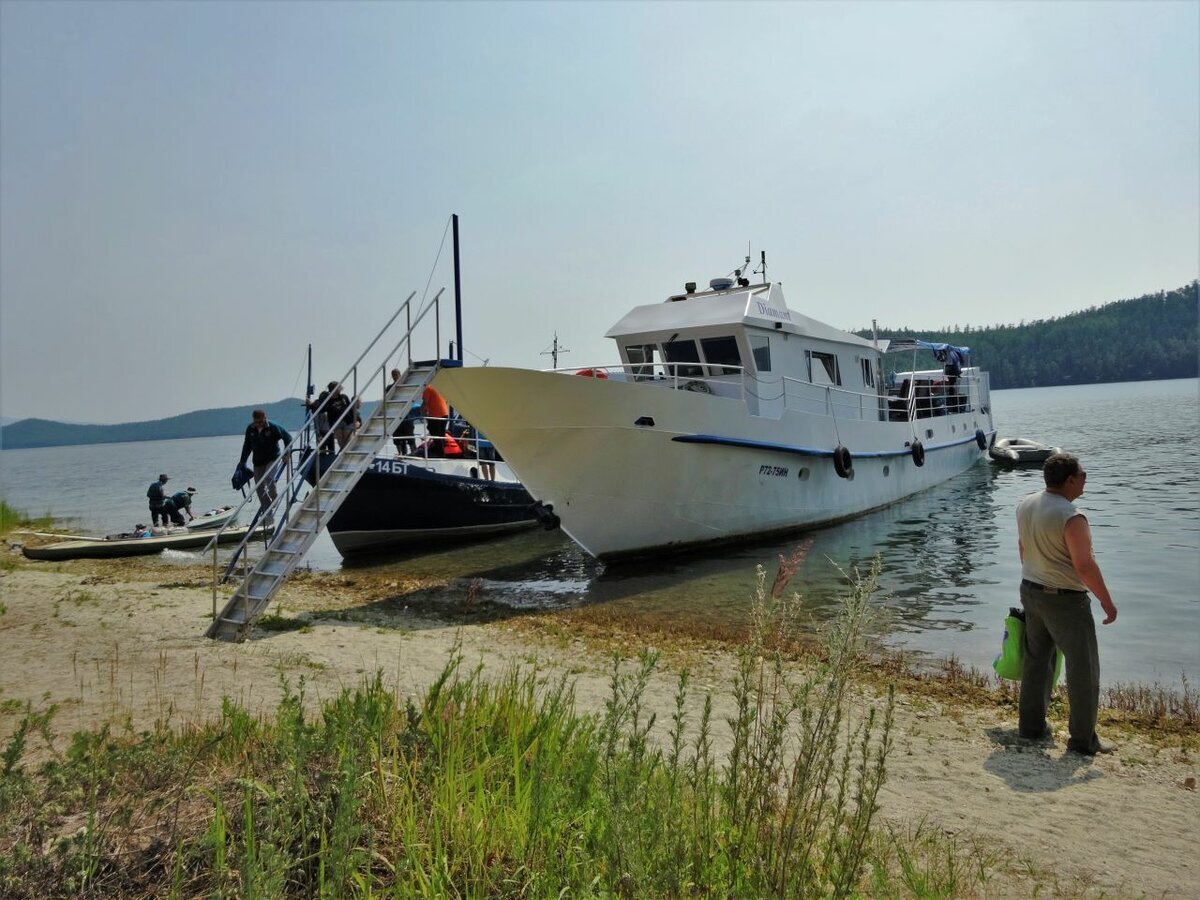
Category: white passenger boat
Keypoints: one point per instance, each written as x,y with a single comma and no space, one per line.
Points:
730,416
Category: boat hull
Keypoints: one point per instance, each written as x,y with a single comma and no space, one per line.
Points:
401,502
100,548
632,469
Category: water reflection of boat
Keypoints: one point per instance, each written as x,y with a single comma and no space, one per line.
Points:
1021,452
402,501
730,416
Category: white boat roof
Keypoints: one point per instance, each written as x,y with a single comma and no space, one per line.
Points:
759,306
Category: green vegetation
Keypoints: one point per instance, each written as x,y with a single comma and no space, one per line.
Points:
1150,337
490,789
11,519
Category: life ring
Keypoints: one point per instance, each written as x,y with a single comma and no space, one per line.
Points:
981,438
592,373
842,463
918,453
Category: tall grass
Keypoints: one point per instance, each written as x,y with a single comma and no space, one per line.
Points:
11,519
487,788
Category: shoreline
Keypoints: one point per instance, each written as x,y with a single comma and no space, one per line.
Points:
122,641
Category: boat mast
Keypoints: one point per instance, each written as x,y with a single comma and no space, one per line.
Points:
458,344
308,396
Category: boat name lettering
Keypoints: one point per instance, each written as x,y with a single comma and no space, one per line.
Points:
766,309
393,466
778,471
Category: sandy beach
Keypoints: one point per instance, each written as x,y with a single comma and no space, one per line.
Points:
123,640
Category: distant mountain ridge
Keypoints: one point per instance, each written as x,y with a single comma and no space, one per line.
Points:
202,423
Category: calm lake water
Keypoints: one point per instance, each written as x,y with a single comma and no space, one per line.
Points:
949,555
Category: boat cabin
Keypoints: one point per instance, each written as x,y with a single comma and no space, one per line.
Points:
735,334
719,335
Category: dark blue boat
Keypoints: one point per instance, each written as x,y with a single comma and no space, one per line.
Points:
404,501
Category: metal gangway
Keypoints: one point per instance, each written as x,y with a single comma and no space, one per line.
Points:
294,522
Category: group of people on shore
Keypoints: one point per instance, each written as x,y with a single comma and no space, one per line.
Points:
169,509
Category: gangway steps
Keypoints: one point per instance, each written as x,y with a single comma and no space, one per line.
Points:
298,533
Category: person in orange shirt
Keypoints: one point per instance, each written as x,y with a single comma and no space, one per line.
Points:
437,412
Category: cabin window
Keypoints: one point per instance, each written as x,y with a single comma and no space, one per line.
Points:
722,355
822,368
868,372
643,358
761,348
681,353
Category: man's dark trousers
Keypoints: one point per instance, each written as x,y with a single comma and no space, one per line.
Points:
1060,621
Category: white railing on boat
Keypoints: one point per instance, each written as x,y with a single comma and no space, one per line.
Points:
911,395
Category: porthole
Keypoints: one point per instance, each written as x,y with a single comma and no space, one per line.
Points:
928,432
887,470
803,473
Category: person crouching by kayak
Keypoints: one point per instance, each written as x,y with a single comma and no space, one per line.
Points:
176,505
156,494
262,446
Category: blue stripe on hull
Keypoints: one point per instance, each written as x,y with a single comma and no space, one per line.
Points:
808,451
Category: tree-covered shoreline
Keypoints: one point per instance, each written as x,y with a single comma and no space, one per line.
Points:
1148,338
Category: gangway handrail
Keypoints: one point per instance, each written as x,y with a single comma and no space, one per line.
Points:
295,446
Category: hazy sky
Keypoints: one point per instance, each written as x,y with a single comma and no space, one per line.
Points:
190,193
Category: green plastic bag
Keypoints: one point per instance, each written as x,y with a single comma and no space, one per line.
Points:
1012,650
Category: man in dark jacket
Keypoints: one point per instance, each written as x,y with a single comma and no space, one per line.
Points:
262,446
156,493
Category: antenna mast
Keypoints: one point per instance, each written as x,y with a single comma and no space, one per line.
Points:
554,351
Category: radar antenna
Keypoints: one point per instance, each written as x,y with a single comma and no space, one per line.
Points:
737,273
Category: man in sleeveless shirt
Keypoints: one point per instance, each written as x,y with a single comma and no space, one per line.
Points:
1058,568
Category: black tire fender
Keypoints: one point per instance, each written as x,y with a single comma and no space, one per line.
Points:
842,463
918,453
981,439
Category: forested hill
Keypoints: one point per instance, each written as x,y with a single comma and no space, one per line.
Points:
1150,337
201,423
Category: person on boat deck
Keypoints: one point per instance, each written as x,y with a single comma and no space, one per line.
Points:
1058,568
178,504
156,494
437,412
321,423
262,446
345,425
485,451
402,437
